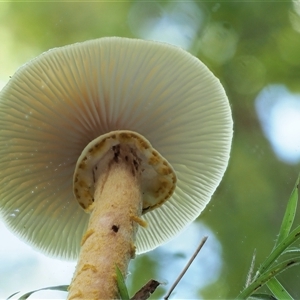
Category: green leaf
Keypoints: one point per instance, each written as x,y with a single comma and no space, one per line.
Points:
266,276
121,285
289,215
62,288
262,297
278,290
281,248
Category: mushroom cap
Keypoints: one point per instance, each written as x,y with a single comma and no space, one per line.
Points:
56,104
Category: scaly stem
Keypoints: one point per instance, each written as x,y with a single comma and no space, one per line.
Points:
110,237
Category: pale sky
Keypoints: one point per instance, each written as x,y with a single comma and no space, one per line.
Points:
278,111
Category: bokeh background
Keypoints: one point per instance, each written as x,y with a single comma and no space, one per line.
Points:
253,47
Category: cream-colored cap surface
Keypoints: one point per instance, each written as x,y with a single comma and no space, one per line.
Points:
56,104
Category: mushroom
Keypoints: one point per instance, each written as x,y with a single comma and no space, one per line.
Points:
94,138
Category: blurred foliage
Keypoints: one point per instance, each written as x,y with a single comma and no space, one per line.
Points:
248,45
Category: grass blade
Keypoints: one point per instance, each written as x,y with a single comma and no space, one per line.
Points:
273,284
281,247
121,285
278,290
289,215
265,277
12,295
62,288
262,297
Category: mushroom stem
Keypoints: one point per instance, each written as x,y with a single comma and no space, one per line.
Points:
110,237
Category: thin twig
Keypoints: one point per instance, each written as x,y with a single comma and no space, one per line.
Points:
186,267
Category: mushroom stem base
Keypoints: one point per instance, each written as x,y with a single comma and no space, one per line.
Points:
110,237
